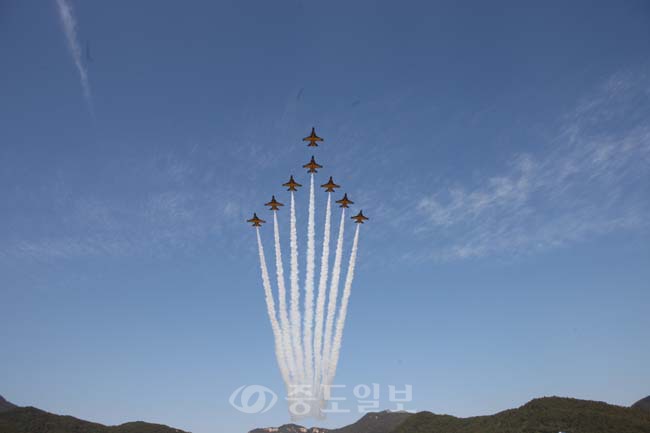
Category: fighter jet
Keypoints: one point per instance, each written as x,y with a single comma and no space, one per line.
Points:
274,204
359,218
257,222
292,184
312,166
312,138
345,201
330,185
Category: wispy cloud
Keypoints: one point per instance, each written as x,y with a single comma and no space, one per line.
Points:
154,203
591,180
588,179
66,14
179,206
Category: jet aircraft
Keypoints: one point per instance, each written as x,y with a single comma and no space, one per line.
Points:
292,184
312,166
312,138
257,222
359,218
330,185
345,201
274,204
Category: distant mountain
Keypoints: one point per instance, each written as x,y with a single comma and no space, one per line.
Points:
31,420
542,415
376,422
5,405
644,404
290,428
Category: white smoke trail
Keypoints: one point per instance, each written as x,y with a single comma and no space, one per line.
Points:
270,307
294,315
333,294
340,323
309,287
322,293
282,301
70,29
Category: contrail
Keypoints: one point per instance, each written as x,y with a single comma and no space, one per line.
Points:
282,301
322,292
340,323
333,294
270,307
309,288
294,315
70,29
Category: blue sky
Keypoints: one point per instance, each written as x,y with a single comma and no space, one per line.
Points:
501,151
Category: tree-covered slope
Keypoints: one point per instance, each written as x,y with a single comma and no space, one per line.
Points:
32,420
543,415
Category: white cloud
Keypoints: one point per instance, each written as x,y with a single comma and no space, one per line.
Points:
70,29
592,180
171,211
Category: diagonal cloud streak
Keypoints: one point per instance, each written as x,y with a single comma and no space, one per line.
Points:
591,181
70,29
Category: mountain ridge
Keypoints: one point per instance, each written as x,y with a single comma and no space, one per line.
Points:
540,415
14,419
643,404
6,405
